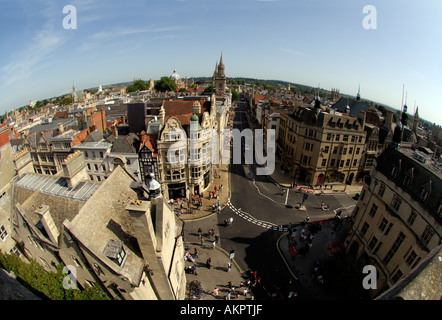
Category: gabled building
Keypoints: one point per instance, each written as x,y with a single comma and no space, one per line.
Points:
109,233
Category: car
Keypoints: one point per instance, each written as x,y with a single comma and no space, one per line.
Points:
357,195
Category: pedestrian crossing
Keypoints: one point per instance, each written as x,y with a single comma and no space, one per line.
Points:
251,219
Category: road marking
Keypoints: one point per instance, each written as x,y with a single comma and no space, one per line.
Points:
252,219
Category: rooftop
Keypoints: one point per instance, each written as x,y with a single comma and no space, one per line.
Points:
57,186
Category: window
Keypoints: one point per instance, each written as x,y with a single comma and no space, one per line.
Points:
378,247
328,136
427,235
326,149
89,167
372,243
355,162
347,163
394,171
195,172
373,210
411,258
388,229
307,146
324,162
93,154
3,233
350,151
396,202
345,151
364,228
424,194
86,154
332,163
335,150
381,190
345,137
383,224
406,181
341,164
394,248
101,154
66,145
397,276
338,136
358,150
51,159
103,167
96,167
412,218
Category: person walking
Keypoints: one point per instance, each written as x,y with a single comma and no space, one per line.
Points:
214,244
215,292
209,263
200,231
229,266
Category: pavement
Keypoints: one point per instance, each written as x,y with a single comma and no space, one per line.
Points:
300,265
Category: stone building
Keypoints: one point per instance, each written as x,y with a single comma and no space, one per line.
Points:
192,172
219,80
321,146
397,220
108,233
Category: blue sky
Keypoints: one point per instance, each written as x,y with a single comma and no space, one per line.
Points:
313,42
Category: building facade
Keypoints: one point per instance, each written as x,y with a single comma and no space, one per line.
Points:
397,220
320,146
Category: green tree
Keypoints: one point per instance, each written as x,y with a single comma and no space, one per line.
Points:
165,84
235,95
137,85
47,284
66,100
209,89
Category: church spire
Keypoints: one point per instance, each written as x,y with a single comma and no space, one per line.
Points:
358,97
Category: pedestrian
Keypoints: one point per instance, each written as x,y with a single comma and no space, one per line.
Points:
202,241
244,292
195,254
228,296
215,189
219,210
216,238
209,263
213,244
230,285
221,187
200,231
215,292
229,266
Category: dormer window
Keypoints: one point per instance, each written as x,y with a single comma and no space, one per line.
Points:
424,194
394,171
114,250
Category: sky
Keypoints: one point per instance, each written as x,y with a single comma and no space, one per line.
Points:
326,43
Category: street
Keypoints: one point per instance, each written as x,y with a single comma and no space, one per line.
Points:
262,211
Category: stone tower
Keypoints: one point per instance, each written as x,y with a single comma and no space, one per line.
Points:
219,77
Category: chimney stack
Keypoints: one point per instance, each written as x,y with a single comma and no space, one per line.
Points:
48,223
74,169
144,218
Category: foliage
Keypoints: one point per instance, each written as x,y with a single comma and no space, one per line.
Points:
49,284
65,101
209,89
165,84
137,85
235,95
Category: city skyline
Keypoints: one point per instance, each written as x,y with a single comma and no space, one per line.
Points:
315,43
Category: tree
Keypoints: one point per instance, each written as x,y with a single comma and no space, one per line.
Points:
137,85
235,95
165,84
209,89
48,284
66,100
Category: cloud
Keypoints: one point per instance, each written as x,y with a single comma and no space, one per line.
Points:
118,32
35,55
299,53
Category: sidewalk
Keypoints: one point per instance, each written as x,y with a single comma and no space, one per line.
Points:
284,180
325,244
224,197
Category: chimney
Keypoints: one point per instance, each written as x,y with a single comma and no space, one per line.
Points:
74,169
145,220
60,127
48,223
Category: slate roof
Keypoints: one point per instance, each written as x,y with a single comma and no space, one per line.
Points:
425,175
356,106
